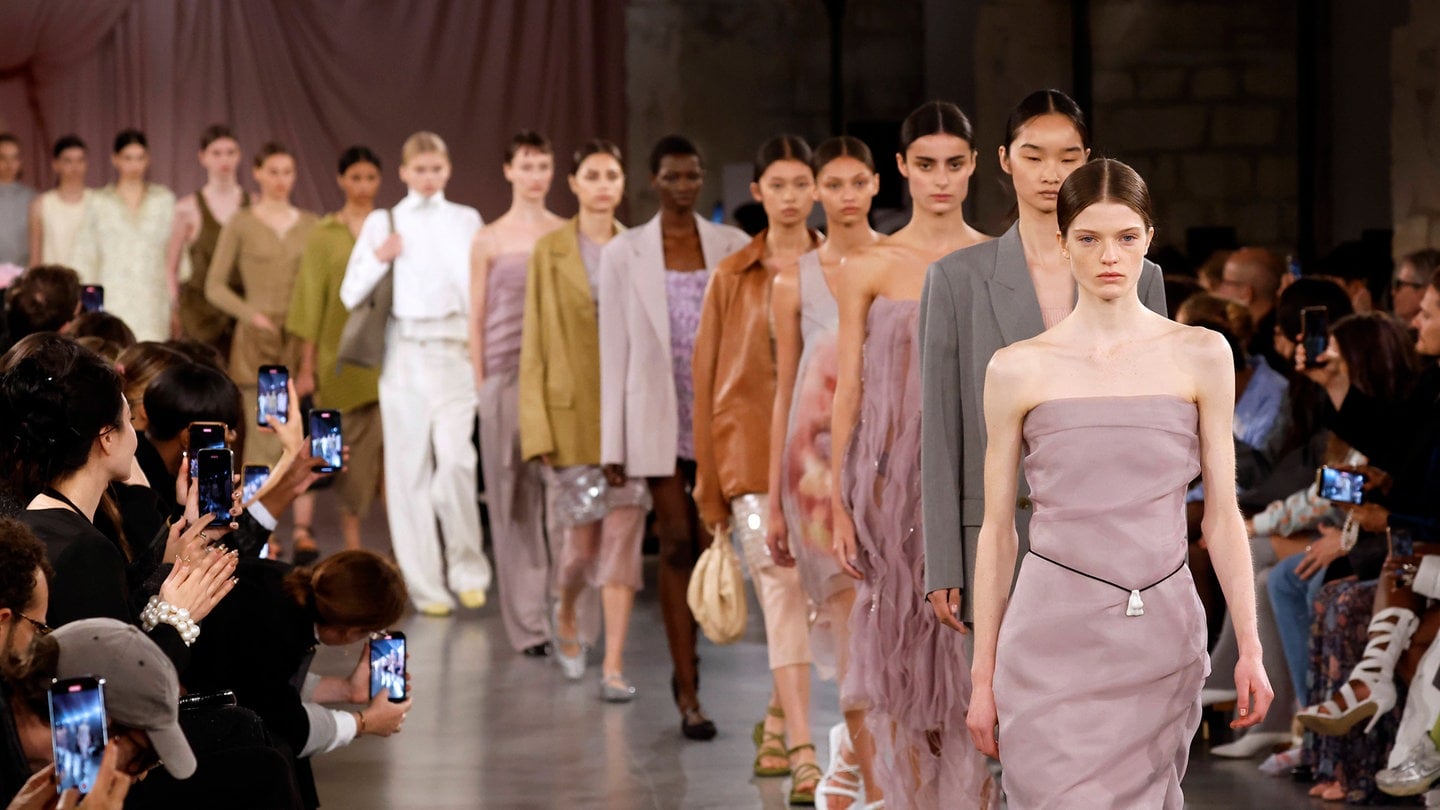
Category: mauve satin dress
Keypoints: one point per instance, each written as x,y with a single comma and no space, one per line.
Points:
1097,708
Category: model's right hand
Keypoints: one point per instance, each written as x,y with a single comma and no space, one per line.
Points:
982,720
390,248
777,539
946,604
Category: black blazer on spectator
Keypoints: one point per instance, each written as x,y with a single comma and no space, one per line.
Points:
91,579
258,643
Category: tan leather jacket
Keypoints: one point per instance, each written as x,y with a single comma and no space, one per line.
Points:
734,372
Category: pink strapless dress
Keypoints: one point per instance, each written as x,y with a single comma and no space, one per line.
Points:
1097,687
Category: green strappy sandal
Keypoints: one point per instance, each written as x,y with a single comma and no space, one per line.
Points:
805,772
768,744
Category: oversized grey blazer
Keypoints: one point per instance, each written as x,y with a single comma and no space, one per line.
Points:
639,416
976,301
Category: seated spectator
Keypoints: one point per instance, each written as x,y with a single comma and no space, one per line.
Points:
45,298
1251,277
1211,272
1408,287
260,640
102,325
1178,290
65,436
1355,266
24,589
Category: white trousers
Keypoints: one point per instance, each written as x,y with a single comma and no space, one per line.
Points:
427,411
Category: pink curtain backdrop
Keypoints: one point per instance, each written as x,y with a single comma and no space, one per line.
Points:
318,76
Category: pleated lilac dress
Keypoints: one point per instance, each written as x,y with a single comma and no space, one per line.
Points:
1097,683
911,669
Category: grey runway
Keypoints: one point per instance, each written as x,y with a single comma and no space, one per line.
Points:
493,729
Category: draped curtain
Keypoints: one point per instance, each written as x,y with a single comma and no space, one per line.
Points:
316,75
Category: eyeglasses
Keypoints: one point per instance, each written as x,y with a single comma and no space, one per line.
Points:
1400,282
41,628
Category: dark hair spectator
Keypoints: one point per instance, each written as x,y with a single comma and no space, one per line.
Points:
1178,290
202,353
43,299
105,326
191,393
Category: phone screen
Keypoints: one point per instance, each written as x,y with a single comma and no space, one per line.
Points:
92,298
387,666
1342,486
216,483
326,440
1315,327
251,480
274,396
77,731
204,436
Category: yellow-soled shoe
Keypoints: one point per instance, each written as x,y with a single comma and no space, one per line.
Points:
436,609
473,599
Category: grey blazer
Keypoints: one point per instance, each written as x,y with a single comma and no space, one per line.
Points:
639,414
976,301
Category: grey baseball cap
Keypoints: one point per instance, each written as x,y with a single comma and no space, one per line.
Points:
142,690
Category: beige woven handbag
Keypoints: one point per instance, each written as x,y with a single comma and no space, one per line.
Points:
717,591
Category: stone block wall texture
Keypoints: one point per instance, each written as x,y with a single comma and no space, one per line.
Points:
1415,129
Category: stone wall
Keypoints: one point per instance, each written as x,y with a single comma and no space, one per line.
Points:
1415,129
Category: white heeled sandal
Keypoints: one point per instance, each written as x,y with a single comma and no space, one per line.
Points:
842,779
1376,670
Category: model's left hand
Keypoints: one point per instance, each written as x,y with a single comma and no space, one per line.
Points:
1253,692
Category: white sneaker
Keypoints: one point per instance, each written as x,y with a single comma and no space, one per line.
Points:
1413,776
1256,742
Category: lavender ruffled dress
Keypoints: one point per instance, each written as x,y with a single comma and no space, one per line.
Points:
911,669
1096,707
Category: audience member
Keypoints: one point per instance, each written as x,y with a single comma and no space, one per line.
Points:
45,298
1251,276
1408,286
108,328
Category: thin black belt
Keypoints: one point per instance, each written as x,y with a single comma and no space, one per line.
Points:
1136,606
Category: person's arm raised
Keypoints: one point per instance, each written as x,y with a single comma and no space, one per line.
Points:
1223,526
1007,400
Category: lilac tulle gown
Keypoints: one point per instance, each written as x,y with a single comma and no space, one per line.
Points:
1097,705
911,669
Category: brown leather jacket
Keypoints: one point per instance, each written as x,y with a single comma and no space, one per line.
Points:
734,372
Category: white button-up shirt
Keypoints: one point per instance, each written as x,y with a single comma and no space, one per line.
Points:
432,272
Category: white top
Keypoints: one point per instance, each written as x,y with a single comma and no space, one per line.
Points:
432,272
60,225
125,251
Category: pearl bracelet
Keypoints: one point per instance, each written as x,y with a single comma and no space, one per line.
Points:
157,611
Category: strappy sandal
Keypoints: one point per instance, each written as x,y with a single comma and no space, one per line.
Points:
843,780
769,745
803,773
1388,640
309,554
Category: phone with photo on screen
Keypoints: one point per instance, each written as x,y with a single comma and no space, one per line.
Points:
92,298
274,394
252,478
78,731
1341,486
203,436
216,484
326,440
387,665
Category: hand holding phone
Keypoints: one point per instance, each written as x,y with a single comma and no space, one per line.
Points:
78,731
387,666
273,385
327,441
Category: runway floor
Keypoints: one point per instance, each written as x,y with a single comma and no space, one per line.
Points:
493,729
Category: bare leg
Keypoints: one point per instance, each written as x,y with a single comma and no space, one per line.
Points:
304,510
792,693
676,525
350,529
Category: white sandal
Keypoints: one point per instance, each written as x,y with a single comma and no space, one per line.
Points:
842,779
1376,670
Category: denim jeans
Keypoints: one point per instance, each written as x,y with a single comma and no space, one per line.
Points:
1293,599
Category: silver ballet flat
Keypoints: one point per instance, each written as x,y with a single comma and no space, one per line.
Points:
615,689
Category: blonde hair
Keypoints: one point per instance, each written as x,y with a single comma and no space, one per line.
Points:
421,143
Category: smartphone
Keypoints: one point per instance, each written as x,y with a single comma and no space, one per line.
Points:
217,484
387,665
326,440
77,731
1315,331
252,478
92,298
1402,543
1292,263
204,436
274,396
1340,485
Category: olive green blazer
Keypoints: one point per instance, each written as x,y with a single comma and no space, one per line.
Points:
560,354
